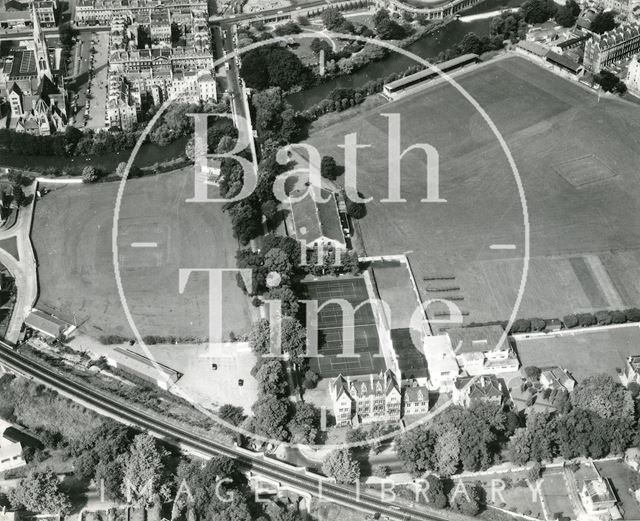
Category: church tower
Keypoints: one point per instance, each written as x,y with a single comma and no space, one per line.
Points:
40,49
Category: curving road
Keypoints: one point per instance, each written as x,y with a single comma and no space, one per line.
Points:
279,472
23,269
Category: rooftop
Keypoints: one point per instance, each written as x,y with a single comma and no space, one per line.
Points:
45,323
477,338
317,220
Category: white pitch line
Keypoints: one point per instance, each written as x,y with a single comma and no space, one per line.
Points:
144,244
502,247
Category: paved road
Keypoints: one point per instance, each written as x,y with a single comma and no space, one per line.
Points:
24,269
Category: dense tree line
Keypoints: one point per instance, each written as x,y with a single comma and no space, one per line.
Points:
610,82
598,418
274,66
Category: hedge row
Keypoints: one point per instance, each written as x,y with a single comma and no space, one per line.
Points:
600,318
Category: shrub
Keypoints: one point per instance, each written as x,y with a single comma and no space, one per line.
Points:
633,314
570,321
112,339
618,317
538,324
603,318
257,302
521,326
532,372
586,320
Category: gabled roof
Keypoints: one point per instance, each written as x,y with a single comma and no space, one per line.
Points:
482,388
558,377
44,323
416,394
314,221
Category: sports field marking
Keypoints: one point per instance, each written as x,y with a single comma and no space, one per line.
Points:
144,244
502,247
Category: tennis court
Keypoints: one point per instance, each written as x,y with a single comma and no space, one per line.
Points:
331,331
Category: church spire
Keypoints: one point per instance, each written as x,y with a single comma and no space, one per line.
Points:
40,49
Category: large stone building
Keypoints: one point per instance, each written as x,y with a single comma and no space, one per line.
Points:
366,399
165,54
633,75
102,12
620,43
32,88
16,14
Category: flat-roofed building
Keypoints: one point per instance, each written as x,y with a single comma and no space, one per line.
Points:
483,350
441,362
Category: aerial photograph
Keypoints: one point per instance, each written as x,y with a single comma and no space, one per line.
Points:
316,260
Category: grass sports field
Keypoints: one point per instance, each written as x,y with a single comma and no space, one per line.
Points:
578,158
72,239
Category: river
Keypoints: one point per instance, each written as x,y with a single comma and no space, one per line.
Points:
428,48
148,155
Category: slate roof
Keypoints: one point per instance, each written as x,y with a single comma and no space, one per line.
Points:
482,388
313,221
416,394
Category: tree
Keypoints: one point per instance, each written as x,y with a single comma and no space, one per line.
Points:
272,378
466,499
610,82
471,43
100,455
89,174
415,449
305,424
341,465
276,260
271,416
332,19
294,339
231,414
603,22
389,29
538,11
40,492
603,396
535,472
519,447
329,168
19,198
287,297
270,209
355,210
144,472
260,337
566,15
532,372
447,452
570,321
435,494
274,66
